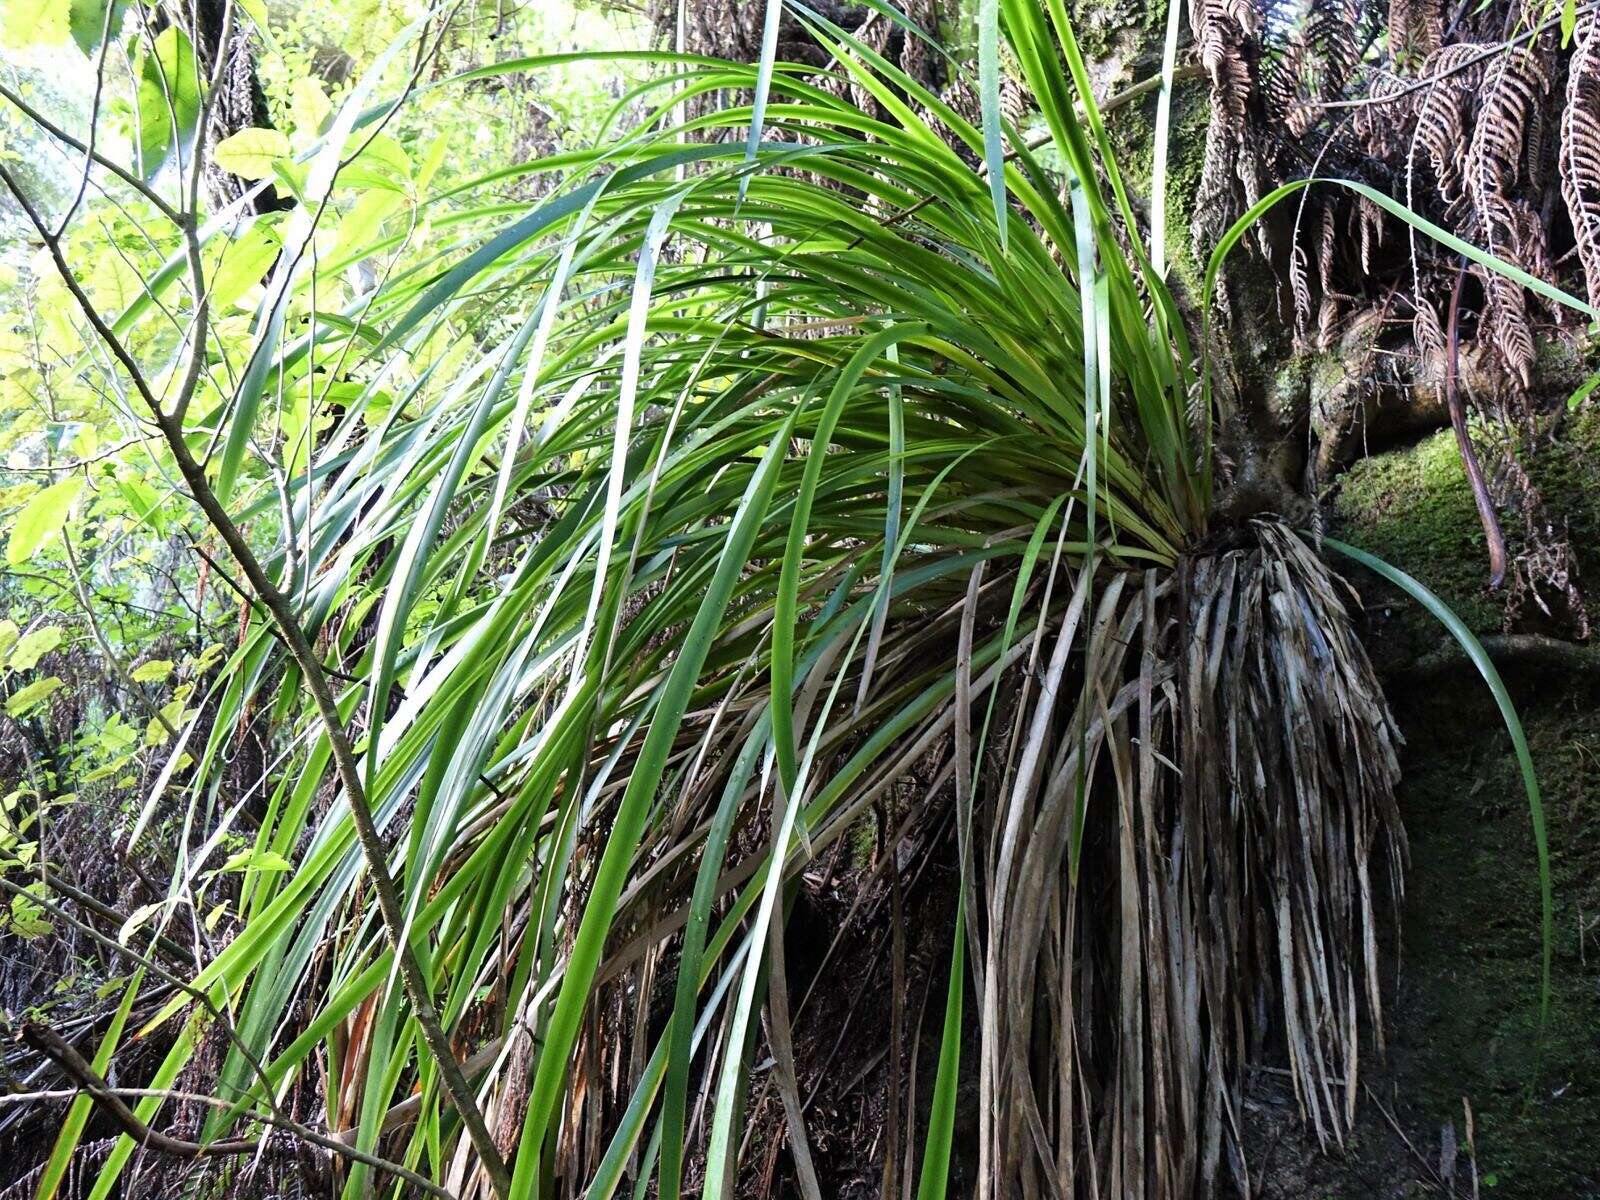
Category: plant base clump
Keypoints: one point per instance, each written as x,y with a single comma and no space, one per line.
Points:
1234,739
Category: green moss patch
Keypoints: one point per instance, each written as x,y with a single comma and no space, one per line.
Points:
1414,508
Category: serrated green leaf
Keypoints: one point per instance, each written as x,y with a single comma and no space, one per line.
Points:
27,918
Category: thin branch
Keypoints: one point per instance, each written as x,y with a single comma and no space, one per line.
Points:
208,104
116,168
256,608
110,1100
48,1042
105,912
94,118
1464,65
1487,517
91,314
118,668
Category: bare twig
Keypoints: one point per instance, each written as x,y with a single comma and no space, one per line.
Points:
118,668
61,135
94,119
1469,457
48,1042
110,1099
1388,1116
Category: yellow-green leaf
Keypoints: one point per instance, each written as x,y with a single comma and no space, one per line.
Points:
153,671
137,918
244,261
41,519
27,918
382,163
30,697
168,96
209,657
34,646
309,106
26,23
257,860
358,226
251,153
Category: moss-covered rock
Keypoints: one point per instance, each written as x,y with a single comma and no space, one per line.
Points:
1414,508
1566,472
1462,972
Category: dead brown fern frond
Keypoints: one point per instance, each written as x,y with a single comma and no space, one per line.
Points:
1221,31
1580,149
1512,88
1416,28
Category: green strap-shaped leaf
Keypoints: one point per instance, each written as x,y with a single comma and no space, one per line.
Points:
787,603
1158,161
994,156
550,1076
674,1105
758,106
935,1179
78,1114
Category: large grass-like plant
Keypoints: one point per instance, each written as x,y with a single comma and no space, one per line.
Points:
661,528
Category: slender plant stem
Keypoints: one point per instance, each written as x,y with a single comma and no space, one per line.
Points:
1487,517
118,668
110,1100
61,135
